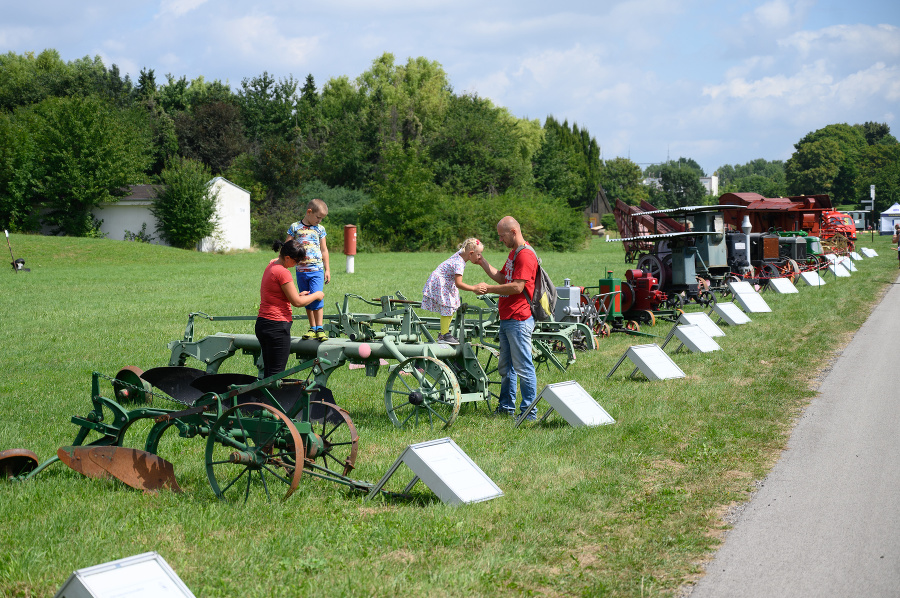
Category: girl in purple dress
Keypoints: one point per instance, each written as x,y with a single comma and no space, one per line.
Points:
441,292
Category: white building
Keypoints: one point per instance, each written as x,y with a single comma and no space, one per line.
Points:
131,213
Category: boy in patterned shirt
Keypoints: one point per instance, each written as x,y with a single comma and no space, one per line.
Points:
313,273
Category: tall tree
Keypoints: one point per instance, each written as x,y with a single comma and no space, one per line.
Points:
830,166
212,133
89,154
268,106
622,179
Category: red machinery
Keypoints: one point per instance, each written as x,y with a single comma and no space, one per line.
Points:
813,214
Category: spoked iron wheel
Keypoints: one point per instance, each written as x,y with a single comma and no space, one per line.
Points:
422,389
339,440
251,447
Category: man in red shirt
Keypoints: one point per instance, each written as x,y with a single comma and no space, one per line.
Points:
516,321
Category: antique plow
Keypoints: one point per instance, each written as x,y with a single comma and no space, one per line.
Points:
260,436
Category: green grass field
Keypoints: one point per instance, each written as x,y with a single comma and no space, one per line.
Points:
629,509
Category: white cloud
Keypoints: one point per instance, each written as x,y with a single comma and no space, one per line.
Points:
179,8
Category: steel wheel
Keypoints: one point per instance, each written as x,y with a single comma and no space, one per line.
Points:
653,266
253,446
421,388
648,317
633,326
339,440
794,270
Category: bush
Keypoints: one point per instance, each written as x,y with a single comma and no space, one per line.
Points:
185,206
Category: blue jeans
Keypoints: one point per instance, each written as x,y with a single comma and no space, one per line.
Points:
516,364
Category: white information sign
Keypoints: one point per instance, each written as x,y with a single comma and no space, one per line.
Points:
446,470
144,575
573,403
869,252
653,362
783,286
731,314
703,321
752,302
846,262
812,279
831,257
855,256
693,337
839,271
741,287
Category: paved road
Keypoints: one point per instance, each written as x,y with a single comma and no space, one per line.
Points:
826,520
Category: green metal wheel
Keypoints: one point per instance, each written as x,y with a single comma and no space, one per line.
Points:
253,447
422,389
337,437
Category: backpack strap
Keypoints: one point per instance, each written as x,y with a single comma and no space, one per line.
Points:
516,254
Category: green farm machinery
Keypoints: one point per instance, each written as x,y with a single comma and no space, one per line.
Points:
260,437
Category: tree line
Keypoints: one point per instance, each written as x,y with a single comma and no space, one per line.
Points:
396,151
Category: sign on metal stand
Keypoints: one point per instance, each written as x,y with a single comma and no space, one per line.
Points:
573,403
869,252
783,286
446,469
812,279
702,320
731,314
838,270
652,361
749,300
695,339
145,575
855,256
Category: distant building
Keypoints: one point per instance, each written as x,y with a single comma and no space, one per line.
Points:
132,212
711,183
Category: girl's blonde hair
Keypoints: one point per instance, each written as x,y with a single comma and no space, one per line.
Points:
471,244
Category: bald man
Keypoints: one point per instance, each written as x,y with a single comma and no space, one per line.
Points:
515,285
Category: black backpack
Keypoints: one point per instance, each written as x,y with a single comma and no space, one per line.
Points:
543,303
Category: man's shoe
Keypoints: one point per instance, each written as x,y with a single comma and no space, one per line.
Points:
309,335
531,417
504,412
321,336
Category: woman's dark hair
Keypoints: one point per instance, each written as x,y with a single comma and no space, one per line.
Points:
292,249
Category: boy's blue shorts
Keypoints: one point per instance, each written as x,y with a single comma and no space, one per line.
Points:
312,282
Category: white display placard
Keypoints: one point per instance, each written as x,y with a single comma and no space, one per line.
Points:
653,362
855,256
831,257
573,403
869,252
783,286
141,576
812,279
846,262
731,314
693,337
446,469
752,302
703,321
741,287
838,270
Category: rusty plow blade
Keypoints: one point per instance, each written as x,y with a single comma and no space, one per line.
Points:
139,469
17,462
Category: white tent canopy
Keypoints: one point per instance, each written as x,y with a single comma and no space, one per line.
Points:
889,218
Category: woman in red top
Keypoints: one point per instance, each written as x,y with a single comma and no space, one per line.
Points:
277,293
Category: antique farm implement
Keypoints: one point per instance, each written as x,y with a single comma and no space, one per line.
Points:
260,436
427,385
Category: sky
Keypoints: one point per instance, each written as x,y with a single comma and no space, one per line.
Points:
720,82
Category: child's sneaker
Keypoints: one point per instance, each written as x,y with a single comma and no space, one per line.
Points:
321,336
448,339
309,335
